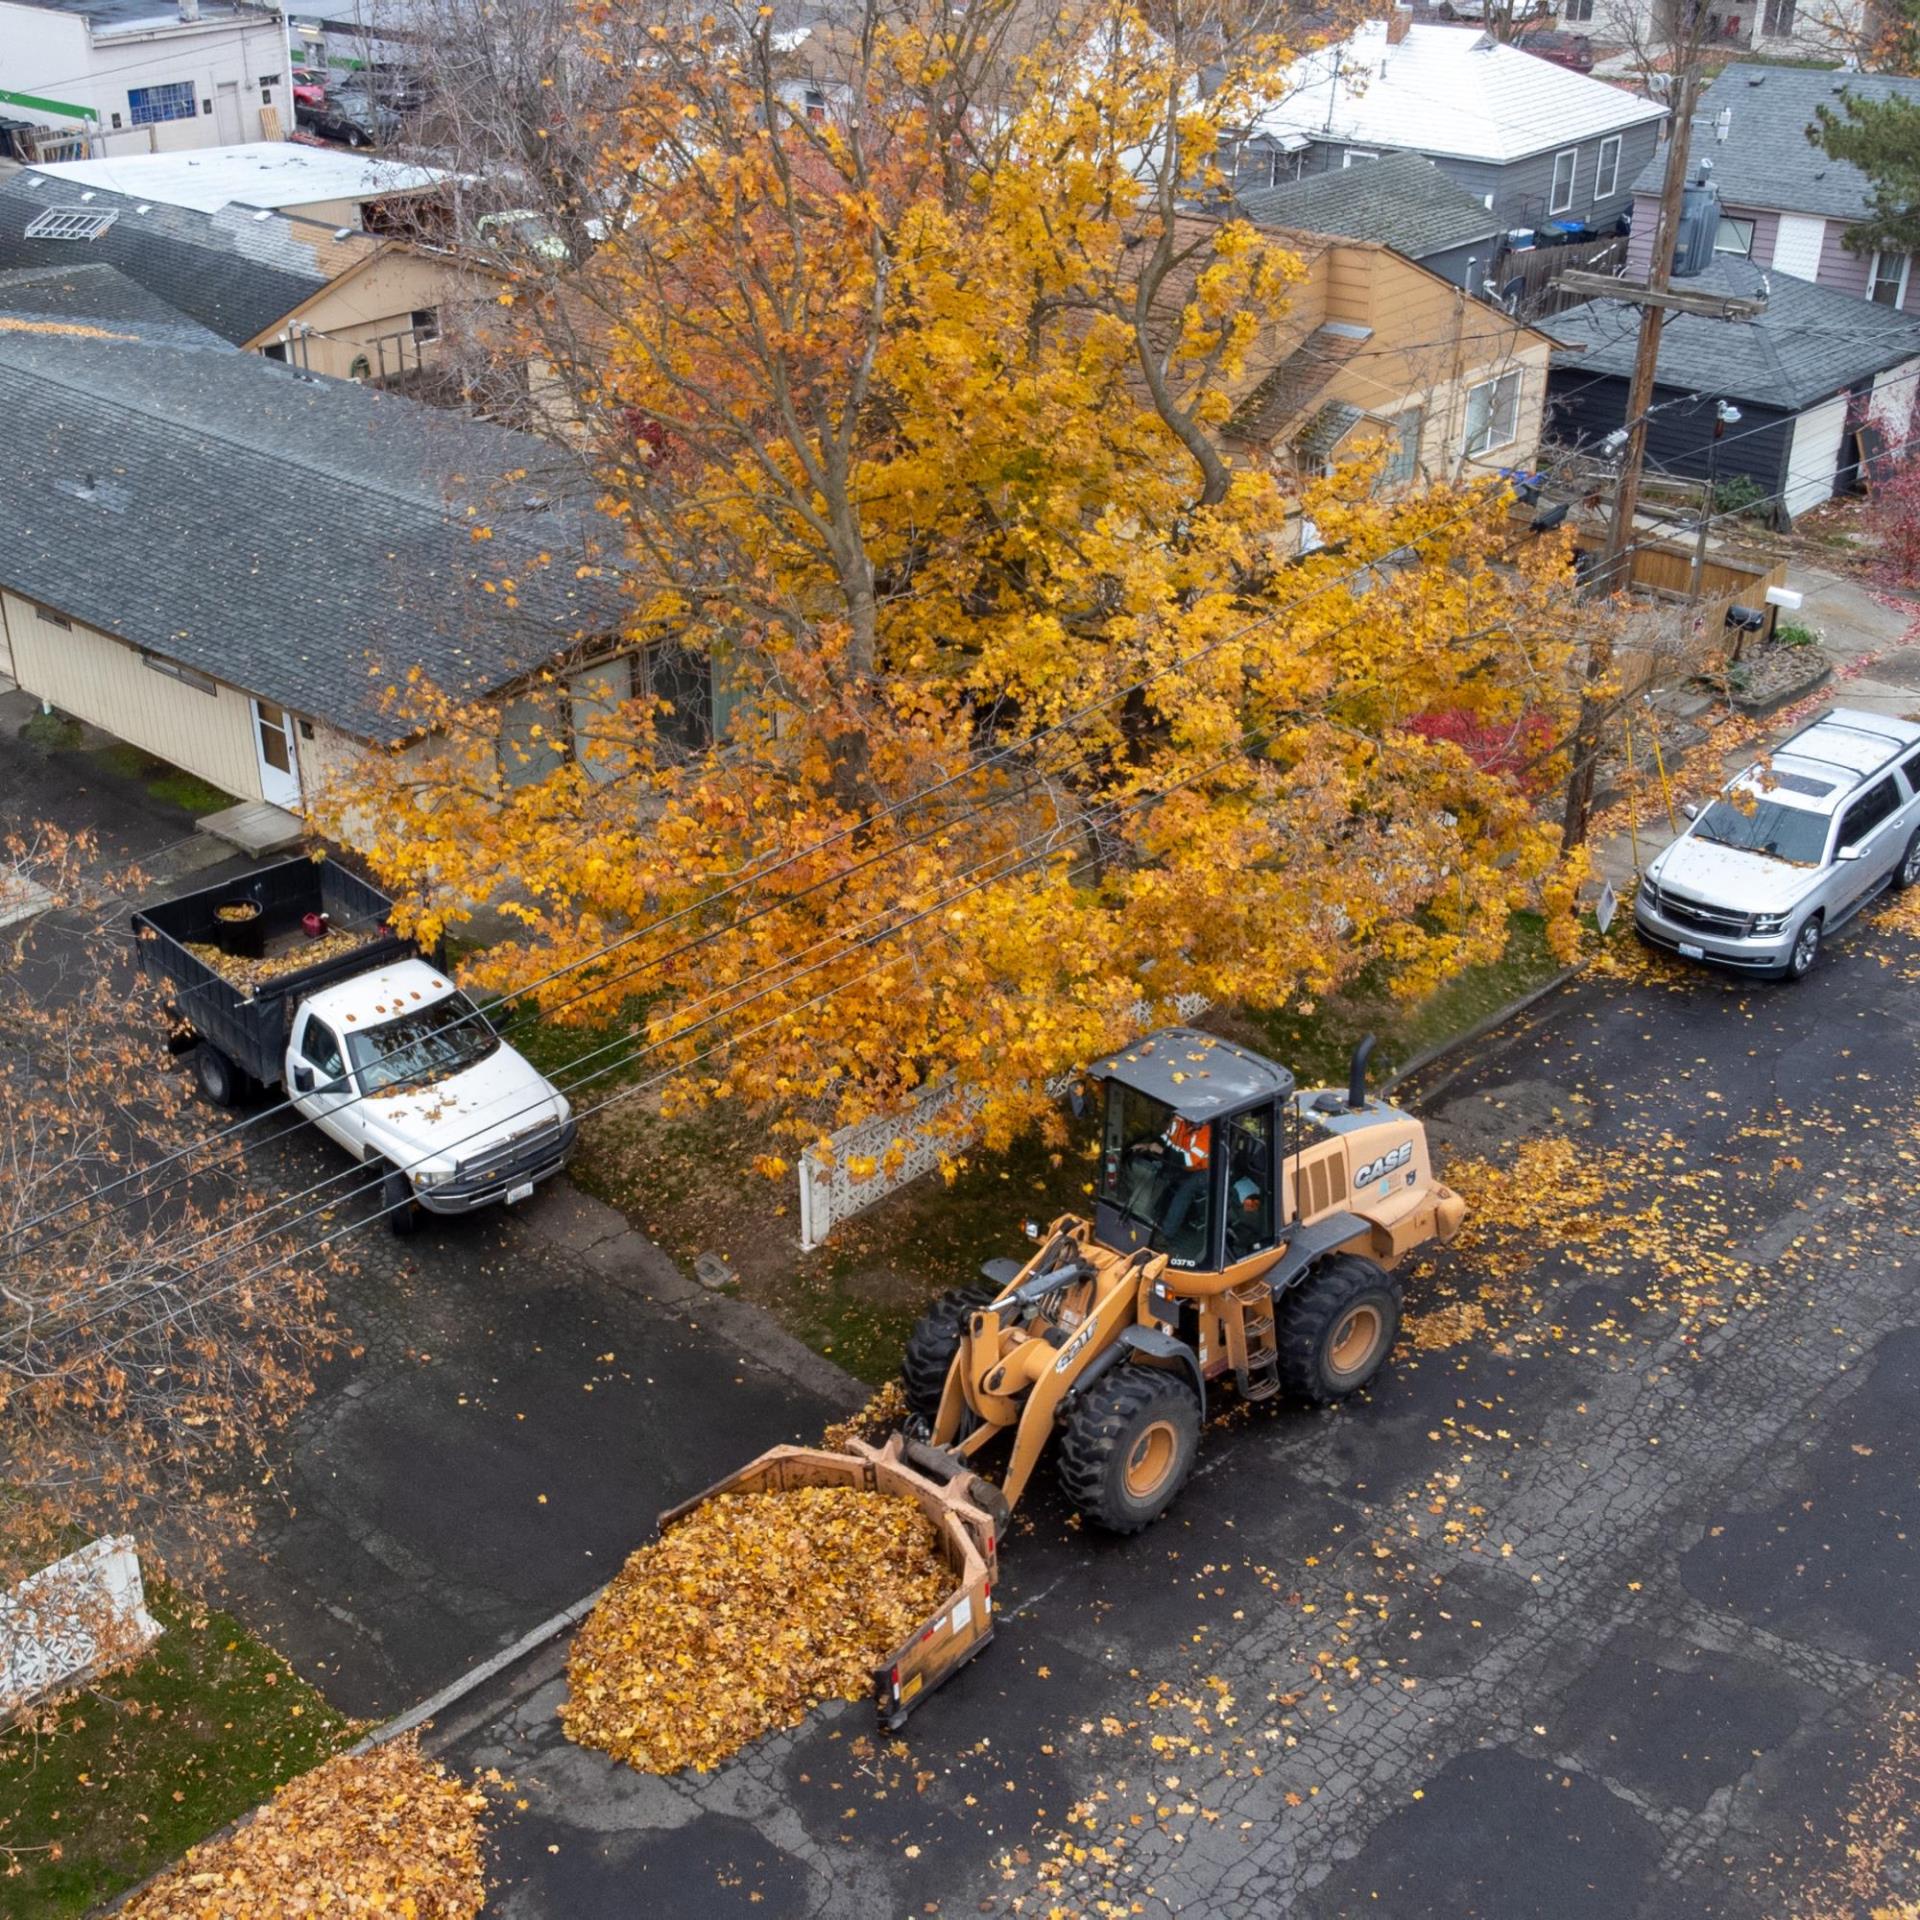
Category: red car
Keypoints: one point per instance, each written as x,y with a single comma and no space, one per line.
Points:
309,87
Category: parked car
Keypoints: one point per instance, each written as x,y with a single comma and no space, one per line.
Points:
1792,848
309,87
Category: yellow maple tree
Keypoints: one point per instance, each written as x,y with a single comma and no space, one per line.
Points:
907,412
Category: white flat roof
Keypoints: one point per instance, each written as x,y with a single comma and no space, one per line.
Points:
265,173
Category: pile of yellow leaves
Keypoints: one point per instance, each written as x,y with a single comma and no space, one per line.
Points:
885,1412
251,975
384,1832
746,1615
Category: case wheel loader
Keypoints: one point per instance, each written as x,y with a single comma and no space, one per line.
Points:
1243,1233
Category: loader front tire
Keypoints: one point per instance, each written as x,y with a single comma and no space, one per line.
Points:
1337,1328
1128,1445
934,1341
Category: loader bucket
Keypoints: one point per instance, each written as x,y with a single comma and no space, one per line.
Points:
967,1514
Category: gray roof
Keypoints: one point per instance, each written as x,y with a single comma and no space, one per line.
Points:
300,538
236,271
1401,200
1766,159
93,294
1198,1074
106,15
1811,341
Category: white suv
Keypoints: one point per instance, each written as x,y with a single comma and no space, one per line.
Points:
1792,849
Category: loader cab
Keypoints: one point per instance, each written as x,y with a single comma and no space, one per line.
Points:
1192,1137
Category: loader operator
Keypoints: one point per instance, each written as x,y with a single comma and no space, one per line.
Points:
1190,1147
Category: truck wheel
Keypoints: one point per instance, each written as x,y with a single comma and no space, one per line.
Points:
1128,1445
401,1208
934,1341
1337,1328
220,1080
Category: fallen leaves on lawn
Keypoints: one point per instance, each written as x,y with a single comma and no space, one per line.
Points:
744,1616
382,1832
251,975
885,1412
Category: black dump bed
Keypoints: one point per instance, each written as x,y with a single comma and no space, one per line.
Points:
247,1016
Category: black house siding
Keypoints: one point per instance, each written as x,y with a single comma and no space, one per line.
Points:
1582,409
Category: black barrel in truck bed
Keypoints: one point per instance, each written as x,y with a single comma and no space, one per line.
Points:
250,1026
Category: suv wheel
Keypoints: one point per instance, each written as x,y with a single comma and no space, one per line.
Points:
1908,872
1806,949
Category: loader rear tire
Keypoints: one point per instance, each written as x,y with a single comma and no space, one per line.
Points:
1128,1445
1337,1328
934,1341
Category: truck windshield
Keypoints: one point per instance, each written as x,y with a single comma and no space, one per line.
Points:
420,1048
1783,833
1155,1167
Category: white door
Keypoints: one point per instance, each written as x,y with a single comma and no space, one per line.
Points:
1796,247
1815,457
279,765
226,112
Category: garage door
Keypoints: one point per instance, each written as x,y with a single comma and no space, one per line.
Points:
1815,455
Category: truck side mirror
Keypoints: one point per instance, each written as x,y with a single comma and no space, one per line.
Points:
1690,810
303,1079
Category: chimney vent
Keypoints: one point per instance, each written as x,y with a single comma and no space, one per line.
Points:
1398,21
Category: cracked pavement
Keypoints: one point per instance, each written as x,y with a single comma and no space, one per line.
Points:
1601,1608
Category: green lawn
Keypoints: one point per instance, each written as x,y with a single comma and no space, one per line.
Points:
134,1772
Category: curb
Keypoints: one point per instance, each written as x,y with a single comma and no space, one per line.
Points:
1481,1027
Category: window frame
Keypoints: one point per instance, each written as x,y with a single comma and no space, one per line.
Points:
1777,19
1576,12
51,618
1848,835
187,676
339,1072
1898,303
1734,220
1348,155
1609,151
1403,464
1492,386
1555,204
146,109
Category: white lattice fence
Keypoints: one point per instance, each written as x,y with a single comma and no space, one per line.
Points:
830,1193
62,1623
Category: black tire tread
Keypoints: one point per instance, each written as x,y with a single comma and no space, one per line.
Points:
1090,1437
934,1341
1306,1315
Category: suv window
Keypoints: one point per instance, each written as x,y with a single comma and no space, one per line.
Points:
1910,766
1879,803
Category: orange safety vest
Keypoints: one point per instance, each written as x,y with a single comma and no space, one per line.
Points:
1192,1141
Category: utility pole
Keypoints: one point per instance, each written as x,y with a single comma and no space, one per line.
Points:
1653,314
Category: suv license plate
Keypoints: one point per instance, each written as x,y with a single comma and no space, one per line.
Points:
1687,952
524,1191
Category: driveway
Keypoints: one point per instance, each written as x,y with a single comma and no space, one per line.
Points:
1603,1603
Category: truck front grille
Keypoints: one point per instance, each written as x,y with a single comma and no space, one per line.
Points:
513,1160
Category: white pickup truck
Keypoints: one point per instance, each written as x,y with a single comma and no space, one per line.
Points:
292,976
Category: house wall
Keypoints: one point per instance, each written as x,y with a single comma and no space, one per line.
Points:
100,679
53,56
1894,395
1582,409
370,305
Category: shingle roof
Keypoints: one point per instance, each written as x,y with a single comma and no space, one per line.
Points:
97,295
300,538
1448,90
1766,159
236,271
260,173
1402,200
1811,341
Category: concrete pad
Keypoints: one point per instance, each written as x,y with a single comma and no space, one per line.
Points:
21,899
255,827
1851,619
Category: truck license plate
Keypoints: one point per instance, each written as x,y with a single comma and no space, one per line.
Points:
1691,953
524,1191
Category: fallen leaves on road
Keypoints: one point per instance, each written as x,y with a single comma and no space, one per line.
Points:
383,1832
744,1616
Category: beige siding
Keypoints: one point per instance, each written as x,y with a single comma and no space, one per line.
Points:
371,305
6,644
99,679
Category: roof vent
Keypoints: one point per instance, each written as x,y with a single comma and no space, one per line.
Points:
265,213
1756,79
343,233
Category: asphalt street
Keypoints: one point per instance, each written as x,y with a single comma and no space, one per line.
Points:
1602,1603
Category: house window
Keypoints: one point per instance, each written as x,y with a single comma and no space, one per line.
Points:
532,742
683,678
426,323
816,104
1493,413
1887,279
269,80
1576,13
199,682
53,619
1608,178
1733,236
1404,460
1358,153
151,105
1565,164
1776,19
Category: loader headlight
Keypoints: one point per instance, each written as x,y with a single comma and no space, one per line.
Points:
1770,922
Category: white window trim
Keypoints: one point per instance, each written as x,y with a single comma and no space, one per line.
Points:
1606,180
1735,220
1906,270
1493,424
1555,204
1350,154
